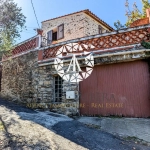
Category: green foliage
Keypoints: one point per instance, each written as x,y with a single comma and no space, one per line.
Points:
118,25
12,22
136,14
133,15
145,44
6,41
146,5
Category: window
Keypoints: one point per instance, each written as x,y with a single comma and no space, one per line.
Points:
100,29
55,34
58,89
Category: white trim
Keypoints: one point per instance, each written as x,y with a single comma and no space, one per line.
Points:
101,55
77,40
20,54
96,51
26,41
28,51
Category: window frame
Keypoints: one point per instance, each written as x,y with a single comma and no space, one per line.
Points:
53,36
55,30
58,99
100,29
49,41
58,32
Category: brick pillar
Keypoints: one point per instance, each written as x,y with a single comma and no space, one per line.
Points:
148,13
40,55
39,31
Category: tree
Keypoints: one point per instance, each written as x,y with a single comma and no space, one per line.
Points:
11,22
136,14
118,25
6,41
133,15
146,5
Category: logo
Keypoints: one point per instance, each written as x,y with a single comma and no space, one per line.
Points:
73,72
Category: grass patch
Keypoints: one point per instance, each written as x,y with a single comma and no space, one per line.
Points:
1,126
93,126
136,140
131,138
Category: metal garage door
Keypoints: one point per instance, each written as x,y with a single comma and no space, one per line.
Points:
117,89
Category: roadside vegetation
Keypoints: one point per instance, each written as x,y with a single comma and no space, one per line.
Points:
12,21
133,14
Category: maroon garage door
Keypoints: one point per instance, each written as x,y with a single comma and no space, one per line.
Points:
117,89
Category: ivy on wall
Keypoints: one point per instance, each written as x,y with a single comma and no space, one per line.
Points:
145,44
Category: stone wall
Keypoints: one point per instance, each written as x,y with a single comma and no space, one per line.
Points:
18,77
91,26
75,26
25,82
46,89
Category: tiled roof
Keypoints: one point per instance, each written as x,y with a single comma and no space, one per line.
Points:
88,12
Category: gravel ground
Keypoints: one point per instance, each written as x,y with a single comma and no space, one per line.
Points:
25,129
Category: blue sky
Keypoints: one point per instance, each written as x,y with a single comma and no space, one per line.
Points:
108,10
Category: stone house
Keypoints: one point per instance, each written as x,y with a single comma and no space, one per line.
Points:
118,85
72,26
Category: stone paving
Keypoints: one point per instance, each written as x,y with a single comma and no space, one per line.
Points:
25,129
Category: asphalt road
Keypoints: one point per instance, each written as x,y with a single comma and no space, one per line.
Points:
28,129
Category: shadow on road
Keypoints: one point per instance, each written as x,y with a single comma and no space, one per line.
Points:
12,141
74,131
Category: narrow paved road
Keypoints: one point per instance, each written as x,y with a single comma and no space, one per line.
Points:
25,129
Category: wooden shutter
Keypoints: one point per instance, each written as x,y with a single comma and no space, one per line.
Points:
49,37
100,29
60,31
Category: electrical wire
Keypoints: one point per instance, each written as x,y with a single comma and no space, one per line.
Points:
35,14
33,31
28,32
30,27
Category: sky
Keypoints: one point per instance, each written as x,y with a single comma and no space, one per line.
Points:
108,10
